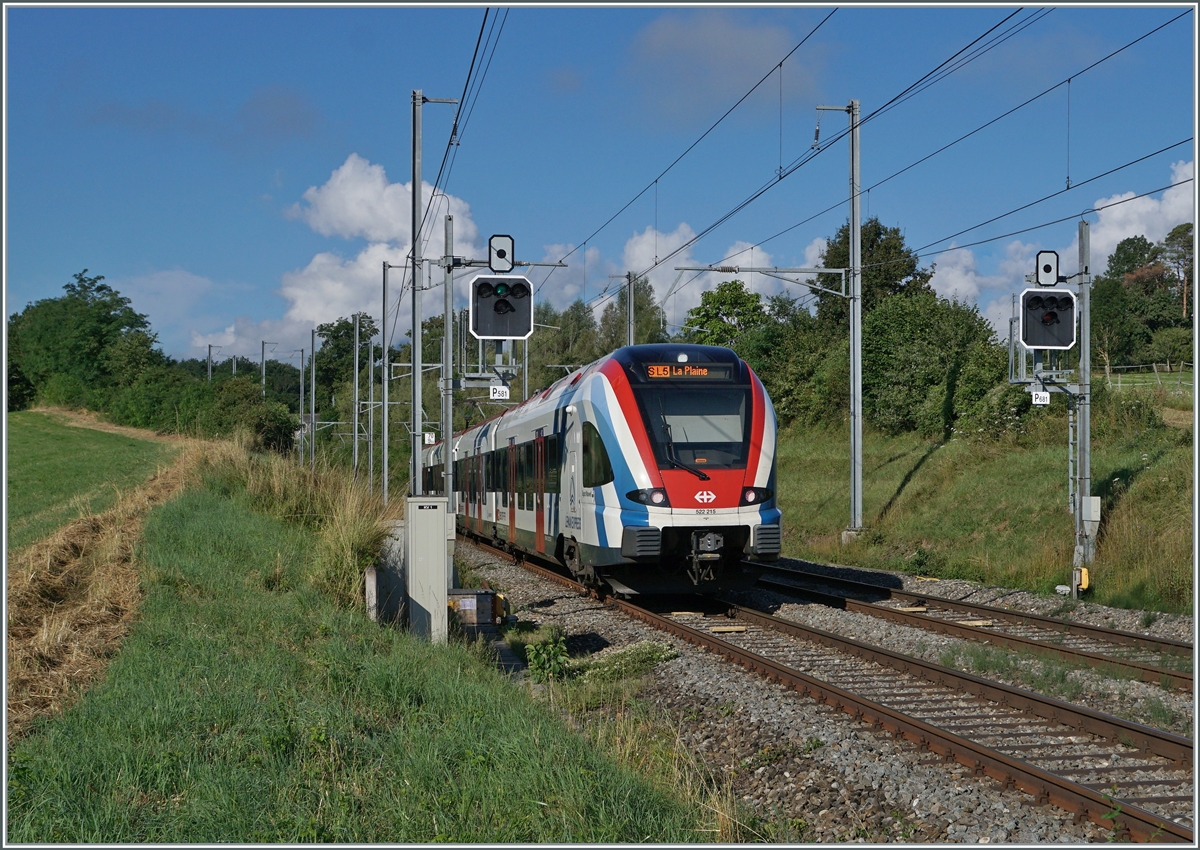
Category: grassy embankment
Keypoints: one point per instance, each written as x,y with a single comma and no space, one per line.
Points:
996,512
247,704
43,495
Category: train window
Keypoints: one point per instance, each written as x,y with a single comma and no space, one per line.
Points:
527,483
597,470
703,428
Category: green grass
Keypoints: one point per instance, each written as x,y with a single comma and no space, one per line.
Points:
57,471
997,512
246,707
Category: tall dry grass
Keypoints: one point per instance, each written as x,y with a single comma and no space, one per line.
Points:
350,522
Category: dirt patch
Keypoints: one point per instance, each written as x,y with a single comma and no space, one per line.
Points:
73,596
91,419
1177,418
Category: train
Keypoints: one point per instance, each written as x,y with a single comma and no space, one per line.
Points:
655,461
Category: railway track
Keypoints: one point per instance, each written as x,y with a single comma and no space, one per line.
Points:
1134,778
1157,660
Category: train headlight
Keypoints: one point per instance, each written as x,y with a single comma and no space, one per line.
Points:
755,495
655,496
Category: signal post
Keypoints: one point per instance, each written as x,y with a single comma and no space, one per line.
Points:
1054,319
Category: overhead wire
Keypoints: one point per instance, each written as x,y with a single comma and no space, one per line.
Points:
690,147
1071,217
955,62
981,127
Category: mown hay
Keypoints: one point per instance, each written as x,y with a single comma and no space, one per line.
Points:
73,596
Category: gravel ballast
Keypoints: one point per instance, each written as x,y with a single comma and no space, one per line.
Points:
815,773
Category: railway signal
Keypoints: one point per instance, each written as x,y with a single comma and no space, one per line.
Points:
501,307
1048,319
1047,268
500,254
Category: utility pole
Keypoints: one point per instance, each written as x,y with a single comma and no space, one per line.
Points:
354,462
855,233
1087,517
312,401
386,381
417,224
416,439
371,417
303,430
629,306
264,366
210,348
448,364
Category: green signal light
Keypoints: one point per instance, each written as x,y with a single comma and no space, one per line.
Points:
502,289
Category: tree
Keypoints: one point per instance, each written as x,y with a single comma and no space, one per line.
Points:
888,268
1172,346
1114,332
72,335
334,360
648,319
131,354
724,314
915,351
1139,295
1177,253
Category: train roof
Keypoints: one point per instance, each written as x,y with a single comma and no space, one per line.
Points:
630,356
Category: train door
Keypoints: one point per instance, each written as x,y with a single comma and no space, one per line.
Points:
481,490
512,493
573,494
539,493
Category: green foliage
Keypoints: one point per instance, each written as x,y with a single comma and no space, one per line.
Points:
724,314
648,319
162,399
73,334
548,659
625,663
1142,303
1172,346
238,407
889,267
915,350
334,362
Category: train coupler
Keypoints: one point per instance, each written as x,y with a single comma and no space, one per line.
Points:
706,554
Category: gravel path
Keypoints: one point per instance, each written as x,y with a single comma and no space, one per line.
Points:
815,773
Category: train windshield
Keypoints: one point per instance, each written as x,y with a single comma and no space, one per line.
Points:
697,427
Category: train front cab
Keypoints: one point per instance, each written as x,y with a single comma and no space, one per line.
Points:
687,486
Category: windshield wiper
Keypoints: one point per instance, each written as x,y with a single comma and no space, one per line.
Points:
675,461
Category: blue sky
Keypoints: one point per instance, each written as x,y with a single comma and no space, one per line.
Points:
242,173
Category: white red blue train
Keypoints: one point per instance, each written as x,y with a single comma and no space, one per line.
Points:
655,458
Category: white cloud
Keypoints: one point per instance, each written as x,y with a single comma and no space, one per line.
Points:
957,276
562,286
357,202
1149,217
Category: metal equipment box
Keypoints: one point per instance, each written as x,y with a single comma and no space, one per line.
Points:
427,565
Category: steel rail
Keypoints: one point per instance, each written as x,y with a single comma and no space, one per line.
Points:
1146,738
1179,680
1126,820
1046,787
1166,646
